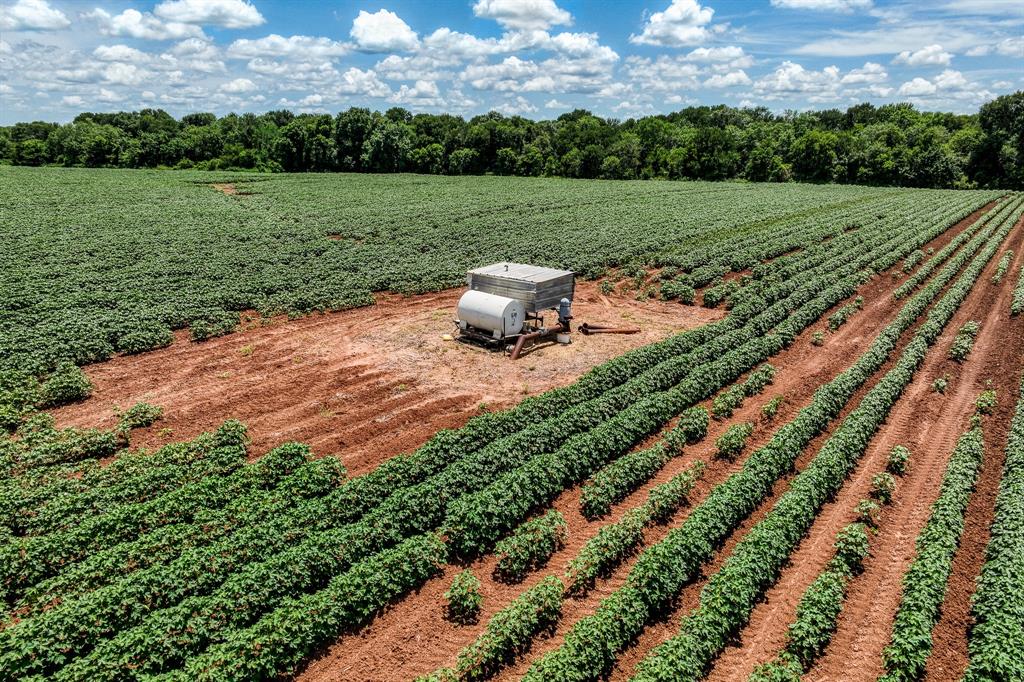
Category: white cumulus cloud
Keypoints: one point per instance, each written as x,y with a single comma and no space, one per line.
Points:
423,93
728,53
119,53
683,23
917,88
383,31
931,55
869,73
792,79
951,80
663,74
524,15
223,13
357,81
514,107
239,85
135,24
125,74
109,96
1011,47
32,15
275,45
728,80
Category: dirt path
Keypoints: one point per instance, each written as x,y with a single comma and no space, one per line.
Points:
365,384
412,637
929,424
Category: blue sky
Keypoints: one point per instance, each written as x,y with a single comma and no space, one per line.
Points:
537,58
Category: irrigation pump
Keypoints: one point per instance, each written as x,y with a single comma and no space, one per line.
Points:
503,306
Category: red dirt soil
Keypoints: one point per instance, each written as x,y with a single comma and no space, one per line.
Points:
413,638
929,424
364,384
226,188
1001,355
878,310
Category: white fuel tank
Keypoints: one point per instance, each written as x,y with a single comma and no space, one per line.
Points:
495,314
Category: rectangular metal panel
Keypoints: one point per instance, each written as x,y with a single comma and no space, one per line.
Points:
537,287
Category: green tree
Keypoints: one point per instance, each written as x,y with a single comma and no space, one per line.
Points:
30,153
462,162
814,156
429,159
531,161
506,161
388,147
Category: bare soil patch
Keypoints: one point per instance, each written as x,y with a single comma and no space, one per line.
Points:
365,384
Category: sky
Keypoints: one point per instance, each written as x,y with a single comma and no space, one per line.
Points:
535,58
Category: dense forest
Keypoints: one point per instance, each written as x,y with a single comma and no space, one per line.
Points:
887,145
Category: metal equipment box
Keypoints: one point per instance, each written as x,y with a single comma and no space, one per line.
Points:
538,288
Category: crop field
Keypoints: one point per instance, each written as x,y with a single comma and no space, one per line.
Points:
237,443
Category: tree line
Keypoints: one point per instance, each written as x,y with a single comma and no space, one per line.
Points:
893,144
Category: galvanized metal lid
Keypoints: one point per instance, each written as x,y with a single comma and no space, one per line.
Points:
521,272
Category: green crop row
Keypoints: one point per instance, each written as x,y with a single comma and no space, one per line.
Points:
21,392
911,261
464,598
29,560
731,399
312,480
840,317
285,636
924,584
817,613
993,215
530,546
1002,267
1017,304
613,482
617,541
733,442
995,642
592,644
45,641
963,342
730,595
690,429
509,633
512,630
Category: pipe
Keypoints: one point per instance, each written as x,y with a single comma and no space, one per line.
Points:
521,341
588,329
